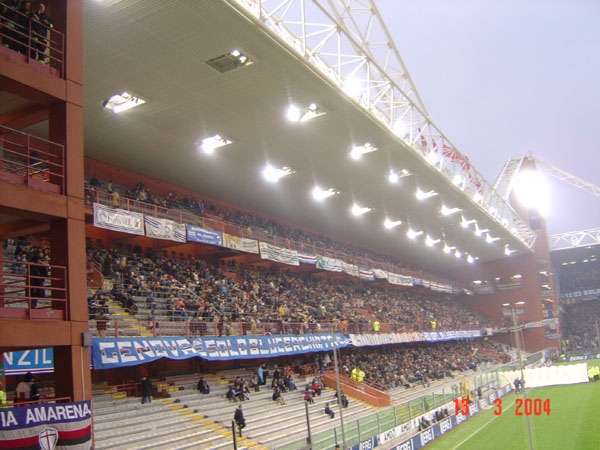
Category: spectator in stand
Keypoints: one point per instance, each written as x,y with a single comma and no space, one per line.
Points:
115,200
146,390
239,419
41,24
329,411
38,272
308,397
26,390
203,386
95,182
101,324
277,397
2,396
230,395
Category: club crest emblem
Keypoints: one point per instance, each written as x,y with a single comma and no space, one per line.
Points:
48,438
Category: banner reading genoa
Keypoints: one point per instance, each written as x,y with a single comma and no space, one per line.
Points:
164,229
47,426
118,220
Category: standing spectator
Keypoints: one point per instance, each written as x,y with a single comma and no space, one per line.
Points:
115,199
238,417
101,324
95,182
10,19
146,390
41,24
38,272
26,390
376,326
2,396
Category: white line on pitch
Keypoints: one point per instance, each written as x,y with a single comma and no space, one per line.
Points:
477,431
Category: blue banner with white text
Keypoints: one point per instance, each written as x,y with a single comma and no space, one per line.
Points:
108,353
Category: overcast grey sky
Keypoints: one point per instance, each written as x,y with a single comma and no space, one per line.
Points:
508,77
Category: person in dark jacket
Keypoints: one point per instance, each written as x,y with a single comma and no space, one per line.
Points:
238,417
146,390
38,272
41,24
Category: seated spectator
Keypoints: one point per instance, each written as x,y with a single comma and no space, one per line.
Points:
203,386
329,411
277,397
253,383
230,395
308,397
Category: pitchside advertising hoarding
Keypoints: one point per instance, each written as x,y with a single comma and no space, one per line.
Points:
428,435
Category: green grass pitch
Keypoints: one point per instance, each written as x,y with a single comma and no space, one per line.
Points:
573,423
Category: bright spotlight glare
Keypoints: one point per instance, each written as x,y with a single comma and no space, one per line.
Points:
293,114
531,189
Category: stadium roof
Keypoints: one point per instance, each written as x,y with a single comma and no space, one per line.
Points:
179,57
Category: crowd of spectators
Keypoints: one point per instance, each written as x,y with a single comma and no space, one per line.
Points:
581,276
580,325
254,225
407,365
194,289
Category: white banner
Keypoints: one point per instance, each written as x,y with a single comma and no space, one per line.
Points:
165,229
118,220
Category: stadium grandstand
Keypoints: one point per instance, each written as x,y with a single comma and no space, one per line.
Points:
209,206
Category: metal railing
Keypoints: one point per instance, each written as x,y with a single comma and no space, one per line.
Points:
33,291
133,326
362,429
32,161
215,223
32,40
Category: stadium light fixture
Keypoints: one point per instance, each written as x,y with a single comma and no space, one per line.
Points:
296,114
448,211
210,144
422,195
430,242
358,210
274,174
390,224
394,176
479,231
412,234
357,151
448,248
465,223
122,102
320,194
490,240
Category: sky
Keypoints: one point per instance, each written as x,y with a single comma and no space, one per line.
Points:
511,77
